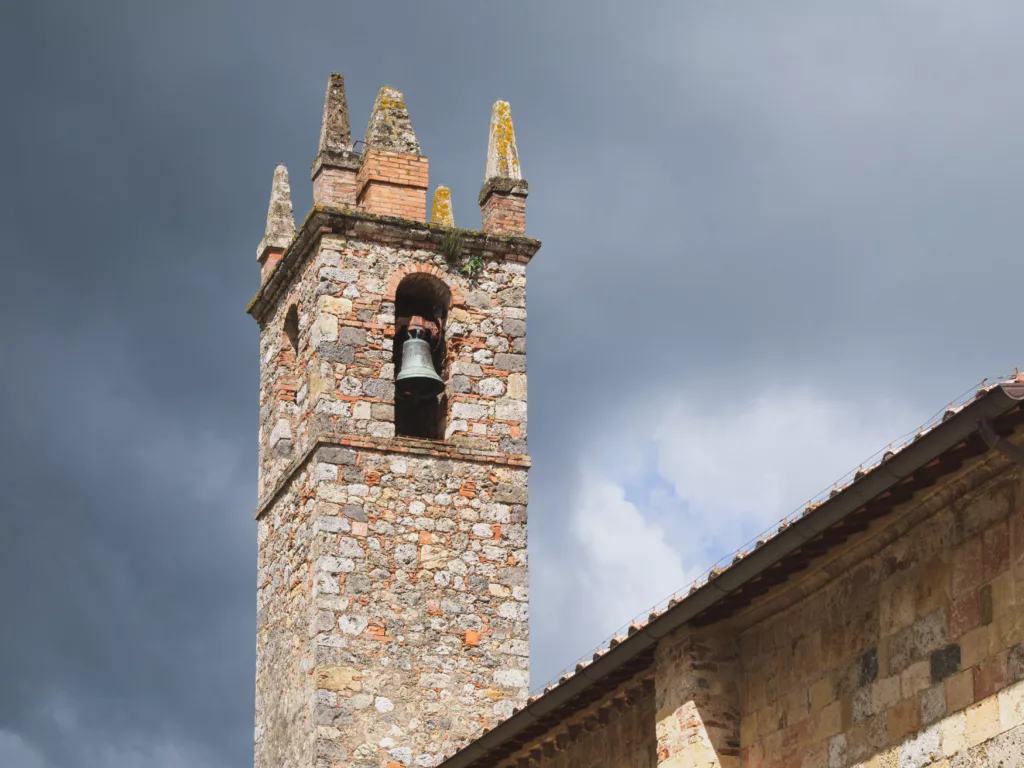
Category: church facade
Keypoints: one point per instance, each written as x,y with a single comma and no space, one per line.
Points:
883,627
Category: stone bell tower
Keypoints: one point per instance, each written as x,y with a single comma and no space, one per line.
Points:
392,587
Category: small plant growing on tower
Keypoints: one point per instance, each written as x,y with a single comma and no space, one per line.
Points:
472,266
451,245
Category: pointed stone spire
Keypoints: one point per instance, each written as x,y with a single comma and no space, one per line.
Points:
390,128
335,167
335,131
502,155
280,221
441,210
503,196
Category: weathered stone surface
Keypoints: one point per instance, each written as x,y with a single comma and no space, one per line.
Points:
390,127
338,679
512,297
354,336
441,208
354,512
868,668
336,305
336,353
335,131
945,663
887,661
280,218
336,455
510,362
511,494
502,155
514,328
491,387
1015,663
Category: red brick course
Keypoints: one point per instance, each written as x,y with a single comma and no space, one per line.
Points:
335,188
504,214
393,184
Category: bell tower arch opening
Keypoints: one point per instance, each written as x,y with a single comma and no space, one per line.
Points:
419,355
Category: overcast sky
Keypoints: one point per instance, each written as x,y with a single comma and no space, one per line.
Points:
776,237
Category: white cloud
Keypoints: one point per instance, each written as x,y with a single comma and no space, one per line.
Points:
675,487
628,564
736,471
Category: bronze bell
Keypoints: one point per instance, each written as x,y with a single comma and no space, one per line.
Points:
417,378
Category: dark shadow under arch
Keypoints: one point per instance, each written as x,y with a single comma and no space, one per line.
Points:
421,294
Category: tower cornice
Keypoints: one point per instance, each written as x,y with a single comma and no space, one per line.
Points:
382,229
402,446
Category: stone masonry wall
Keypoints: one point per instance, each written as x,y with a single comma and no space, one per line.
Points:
420,598
284,608
393,609
913,657
698,700
342,378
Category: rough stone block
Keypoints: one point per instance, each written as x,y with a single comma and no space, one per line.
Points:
336,455
945,663
511,494
982,721
960,691
506,361
335,352
339,678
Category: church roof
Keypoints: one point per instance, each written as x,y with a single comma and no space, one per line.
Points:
960,432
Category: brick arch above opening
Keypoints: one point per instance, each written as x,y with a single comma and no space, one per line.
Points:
404,271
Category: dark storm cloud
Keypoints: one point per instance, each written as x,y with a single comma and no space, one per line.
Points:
765,195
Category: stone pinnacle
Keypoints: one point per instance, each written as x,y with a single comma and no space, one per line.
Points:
335,131
502,156
441,210
390,128
280,221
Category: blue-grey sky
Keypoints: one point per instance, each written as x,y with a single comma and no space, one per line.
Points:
797,225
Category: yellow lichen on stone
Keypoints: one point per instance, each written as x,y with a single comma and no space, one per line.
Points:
390,127
502,155
441,210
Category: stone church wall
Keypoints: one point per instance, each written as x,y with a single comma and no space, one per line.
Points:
698,698
914,656
902,648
